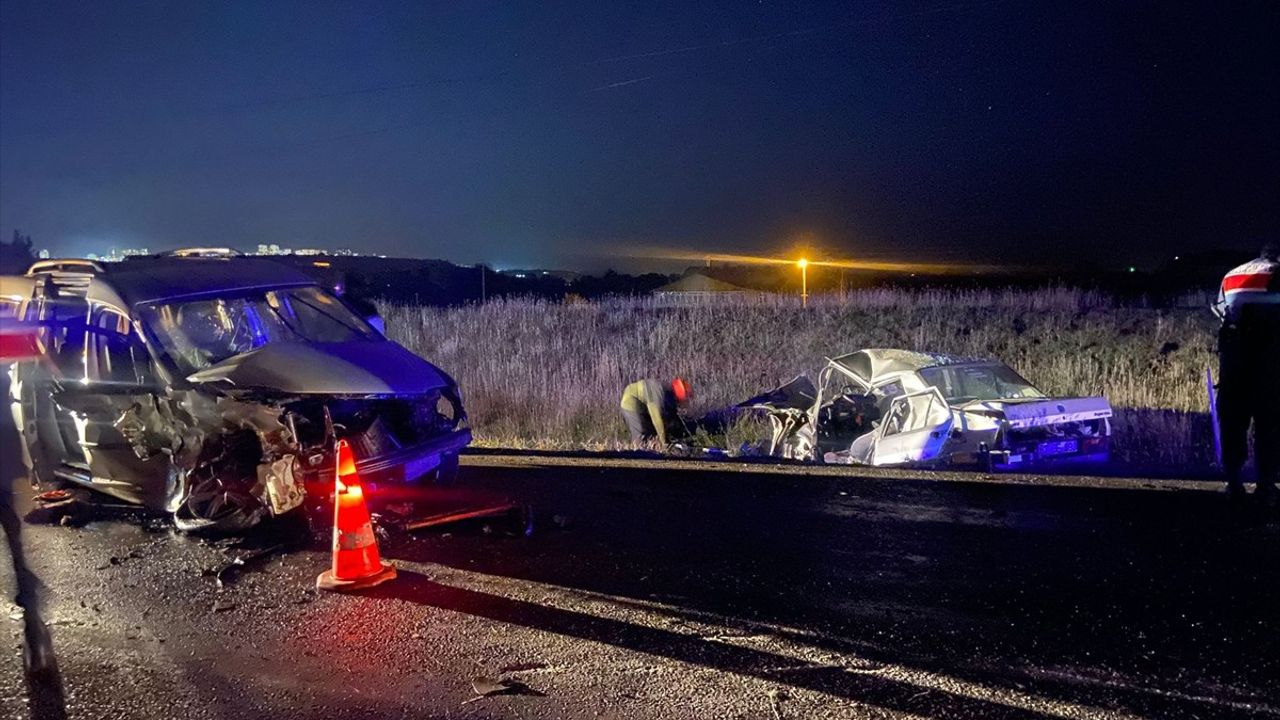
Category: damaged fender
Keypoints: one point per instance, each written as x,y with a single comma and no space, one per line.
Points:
233,461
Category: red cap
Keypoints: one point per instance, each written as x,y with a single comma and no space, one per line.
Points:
680,389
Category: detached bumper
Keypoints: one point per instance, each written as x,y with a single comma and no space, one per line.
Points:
402,465
1082,451
1013,461
412,459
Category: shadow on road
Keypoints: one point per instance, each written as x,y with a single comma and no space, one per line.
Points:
863,688
1123,599
40,663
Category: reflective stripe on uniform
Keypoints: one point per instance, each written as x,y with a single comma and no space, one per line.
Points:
1255,282
1252,281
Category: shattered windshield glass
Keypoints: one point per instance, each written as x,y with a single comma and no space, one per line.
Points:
966,383
196,334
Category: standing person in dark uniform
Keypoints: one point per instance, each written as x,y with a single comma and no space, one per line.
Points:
1249,373
652,410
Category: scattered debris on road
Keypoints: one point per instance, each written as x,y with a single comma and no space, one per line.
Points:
485,687
228,572
775,703
59,507
119,560
496,510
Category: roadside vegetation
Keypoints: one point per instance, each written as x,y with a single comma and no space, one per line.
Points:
539,374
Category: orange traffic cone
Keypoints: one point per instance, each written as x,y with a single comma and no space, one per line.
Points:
356,563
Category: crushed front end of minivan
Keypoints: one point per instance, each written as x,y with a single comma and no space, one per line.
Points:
215,388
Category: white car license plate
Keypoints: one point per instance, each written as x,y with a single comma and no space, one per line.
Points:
1058,447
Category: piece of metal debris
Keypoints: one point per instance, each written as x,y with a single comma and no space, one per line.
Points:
775,703
489,686
227,573
70,511
53,496
490,511
485,687
232,563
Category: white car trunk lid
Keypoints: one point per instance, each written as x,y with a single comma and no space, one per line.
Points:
1020,415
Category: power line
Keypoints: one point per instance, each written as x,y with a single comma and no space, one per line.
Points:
302,98
802,32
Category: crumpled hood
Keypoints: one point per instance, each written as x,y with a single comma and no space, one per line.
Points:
1035,413
379,367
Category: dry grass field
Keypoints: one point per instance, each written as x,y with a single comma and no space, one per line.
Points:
548,375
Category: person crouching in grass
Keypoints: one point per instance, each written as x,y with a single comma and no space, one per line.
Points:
651,411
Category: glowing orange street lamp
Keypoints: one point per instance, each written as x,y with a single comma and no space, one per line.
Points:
803,264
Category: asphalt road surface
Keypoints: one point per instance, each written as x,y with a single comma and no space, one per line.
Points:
678,590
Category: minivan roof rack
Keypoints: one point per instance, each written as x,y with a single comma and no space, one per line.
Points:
64,265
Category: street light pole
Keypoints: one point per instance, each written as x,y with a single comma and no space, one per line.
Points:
804,282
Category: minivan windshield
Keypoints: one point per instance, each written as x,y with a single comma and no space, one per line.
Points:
966,383
195,334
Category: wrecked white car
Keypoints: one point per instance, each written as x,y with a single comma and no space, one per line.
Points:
896,407
215,387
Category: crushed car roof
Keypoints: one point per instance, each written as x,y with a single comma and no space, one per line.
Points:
147,279
876,362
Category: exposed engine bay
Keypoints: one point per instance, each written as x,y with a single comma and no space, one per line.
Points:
238,457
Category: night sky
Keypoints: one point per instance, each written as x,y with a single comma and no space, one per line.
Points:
562,134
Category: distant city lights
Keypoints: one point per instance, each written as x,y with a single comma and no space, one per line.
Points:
119,254
274,249
116,255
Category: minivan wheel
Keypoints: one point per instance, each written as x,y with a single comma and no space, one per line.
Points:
215,506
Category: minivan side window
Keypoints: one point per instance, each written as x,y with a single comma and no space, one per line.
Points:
63,322
116,353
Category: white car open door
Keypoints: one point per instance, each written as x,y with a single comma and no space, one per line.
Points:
914,429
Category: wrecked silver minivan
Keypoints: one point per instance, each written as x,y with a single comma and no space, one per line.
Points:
214,387
897,407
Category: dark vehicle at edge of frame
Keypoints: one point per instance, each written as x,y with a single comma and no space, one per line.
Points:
214,387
